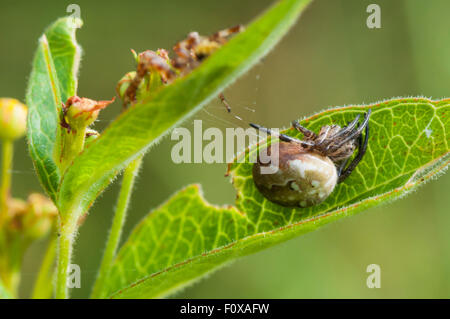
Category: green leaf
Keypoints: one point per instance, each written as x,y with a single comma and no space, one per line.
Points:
147,121
53,79
186,238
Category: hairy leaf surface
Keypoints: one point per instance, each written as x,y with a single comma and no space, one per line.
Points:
186,238
144,123
53,79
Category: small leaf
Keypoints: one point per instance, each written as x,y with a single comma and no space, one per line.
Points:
186,238
53,79
66,54
147,121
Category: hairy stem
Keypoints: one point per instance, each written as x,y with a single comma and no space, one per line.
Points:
7,157
117,225
73,144
10,251
66,235
43,286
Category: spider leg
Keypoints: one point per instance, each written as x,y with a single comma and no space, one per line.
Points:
350,126
225,102
282,137
342,133
307,133
342,166
362,148
324,136
354,133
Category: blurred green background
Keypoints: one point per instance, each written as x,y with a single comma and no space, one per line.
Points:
330,58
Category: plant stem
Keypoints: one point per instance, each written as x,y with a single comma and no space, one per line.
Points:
43,286
10,256
7,157
117,225
66,235
10,265
73,144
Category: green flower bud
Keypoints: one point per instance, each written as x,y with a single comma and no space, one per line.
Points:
23,223
16,210
31,219
13,119
78,113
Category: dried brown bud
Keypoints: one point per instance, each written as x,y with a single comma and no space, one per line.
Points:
80,112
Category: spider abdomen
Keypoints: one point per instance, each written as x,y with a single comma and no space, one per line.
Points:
303,178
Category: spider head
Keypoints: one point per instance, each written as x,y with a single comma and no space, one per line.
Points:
337,143
333,145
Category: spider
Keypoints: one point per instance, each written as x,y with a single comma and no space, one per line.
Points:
190,52
309,169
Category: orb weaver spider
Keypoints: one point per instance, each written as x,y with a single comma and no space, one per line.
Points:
309,169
